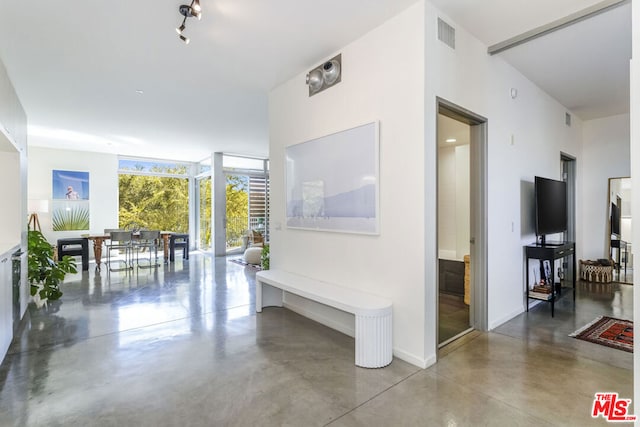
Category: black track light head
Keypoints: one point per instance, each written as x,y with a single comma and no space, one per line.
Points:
181,28
188,11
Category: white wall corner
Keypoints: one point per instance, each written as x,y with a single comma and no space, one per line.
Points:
504,319
414,360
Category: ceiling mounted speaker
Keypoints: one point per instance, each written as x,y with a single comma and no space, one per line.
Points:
325,75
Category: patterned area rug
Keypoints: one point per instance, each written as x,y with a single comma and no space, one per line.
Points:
608,331
246,264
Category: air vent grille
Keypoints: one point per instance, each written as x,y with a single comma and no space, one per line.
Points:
567,119
446,34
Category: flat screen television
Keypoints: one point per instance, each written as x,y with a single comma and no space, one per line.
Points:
615,220
551,207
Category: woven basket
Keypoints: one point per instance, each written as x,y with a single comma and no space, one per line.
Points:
594,272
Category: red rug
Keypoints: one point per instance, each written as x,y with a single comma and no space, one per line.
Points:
608,331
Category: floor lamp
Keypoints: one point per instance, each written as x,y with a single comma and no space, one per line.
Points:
34,222
36,206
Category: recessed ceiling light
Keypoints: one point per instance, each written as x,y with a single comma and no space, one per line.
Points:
139,91
451,140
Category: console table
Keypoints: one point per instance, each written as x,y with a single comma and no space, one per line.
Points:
550,252
622,254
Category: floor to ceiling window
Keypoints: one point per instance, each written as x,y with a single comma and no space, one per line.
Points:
153,194
204,205
178,197
237,212
247,201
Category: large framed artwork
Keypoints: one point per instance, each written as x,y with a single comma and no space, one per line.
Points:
332,182
70,207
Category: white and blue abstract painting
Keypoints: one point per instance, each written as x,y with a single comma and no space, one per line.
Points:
332,182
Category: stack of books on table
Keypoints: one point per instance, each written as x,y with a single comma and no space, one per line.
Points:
543,292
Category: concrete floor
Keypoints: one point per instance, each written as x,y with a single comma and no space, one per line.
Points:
453,316
182,346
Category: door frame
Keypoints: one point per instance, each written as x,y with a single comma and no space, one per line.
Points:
478,309
198,212
569,175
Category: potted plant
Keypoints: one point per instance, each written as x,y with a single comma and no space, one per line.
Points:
45,274
265,256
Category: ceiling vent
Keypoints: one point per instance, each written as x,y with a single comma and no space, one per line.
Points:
446,34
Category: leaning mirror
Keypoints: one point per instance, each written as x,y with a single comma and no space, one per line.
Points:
619,228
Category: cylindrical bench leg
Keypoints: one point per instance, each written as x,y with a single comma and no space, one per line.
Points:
374,341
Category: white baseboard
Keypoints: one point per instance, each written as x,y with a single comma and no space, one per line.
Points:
508,317
413,359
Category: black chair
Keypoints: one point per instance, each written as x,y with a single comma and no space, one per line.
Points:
75,247
178,241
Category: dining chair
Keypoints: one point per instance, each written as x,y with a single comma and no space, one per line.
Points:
148,240
122,242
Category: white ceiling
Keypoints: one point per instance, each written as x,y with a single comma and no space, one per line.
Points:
584,66
77,65
450,129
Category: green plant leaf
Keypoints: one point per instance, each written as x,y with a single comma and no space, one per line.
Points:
76,218
44,274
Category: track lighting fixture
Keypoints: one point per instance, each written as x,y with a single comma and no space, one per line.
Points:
181,28
325,75
188,11
314,80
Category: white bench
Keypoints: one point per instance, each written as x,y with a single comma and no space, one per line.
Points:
374,339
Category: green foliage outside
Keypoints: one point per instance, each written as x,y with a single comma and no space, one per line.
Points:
265,257
205,213
162,203
45,274
237,209
155,202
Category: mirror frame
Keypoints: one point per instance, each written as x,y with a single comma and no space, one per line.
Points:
608,227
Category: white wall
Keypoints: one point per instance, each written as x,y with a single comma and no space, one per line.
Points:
447,203
526,138
383,79
606,155
453,202
13,219
463,201
103,186
635,168
469,77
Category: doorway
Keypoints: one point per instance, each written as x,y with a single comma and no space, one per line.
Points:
237,212
240,202
461,222
568,165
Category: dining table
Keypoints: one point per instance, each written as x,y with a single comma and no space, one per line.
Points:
99,239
